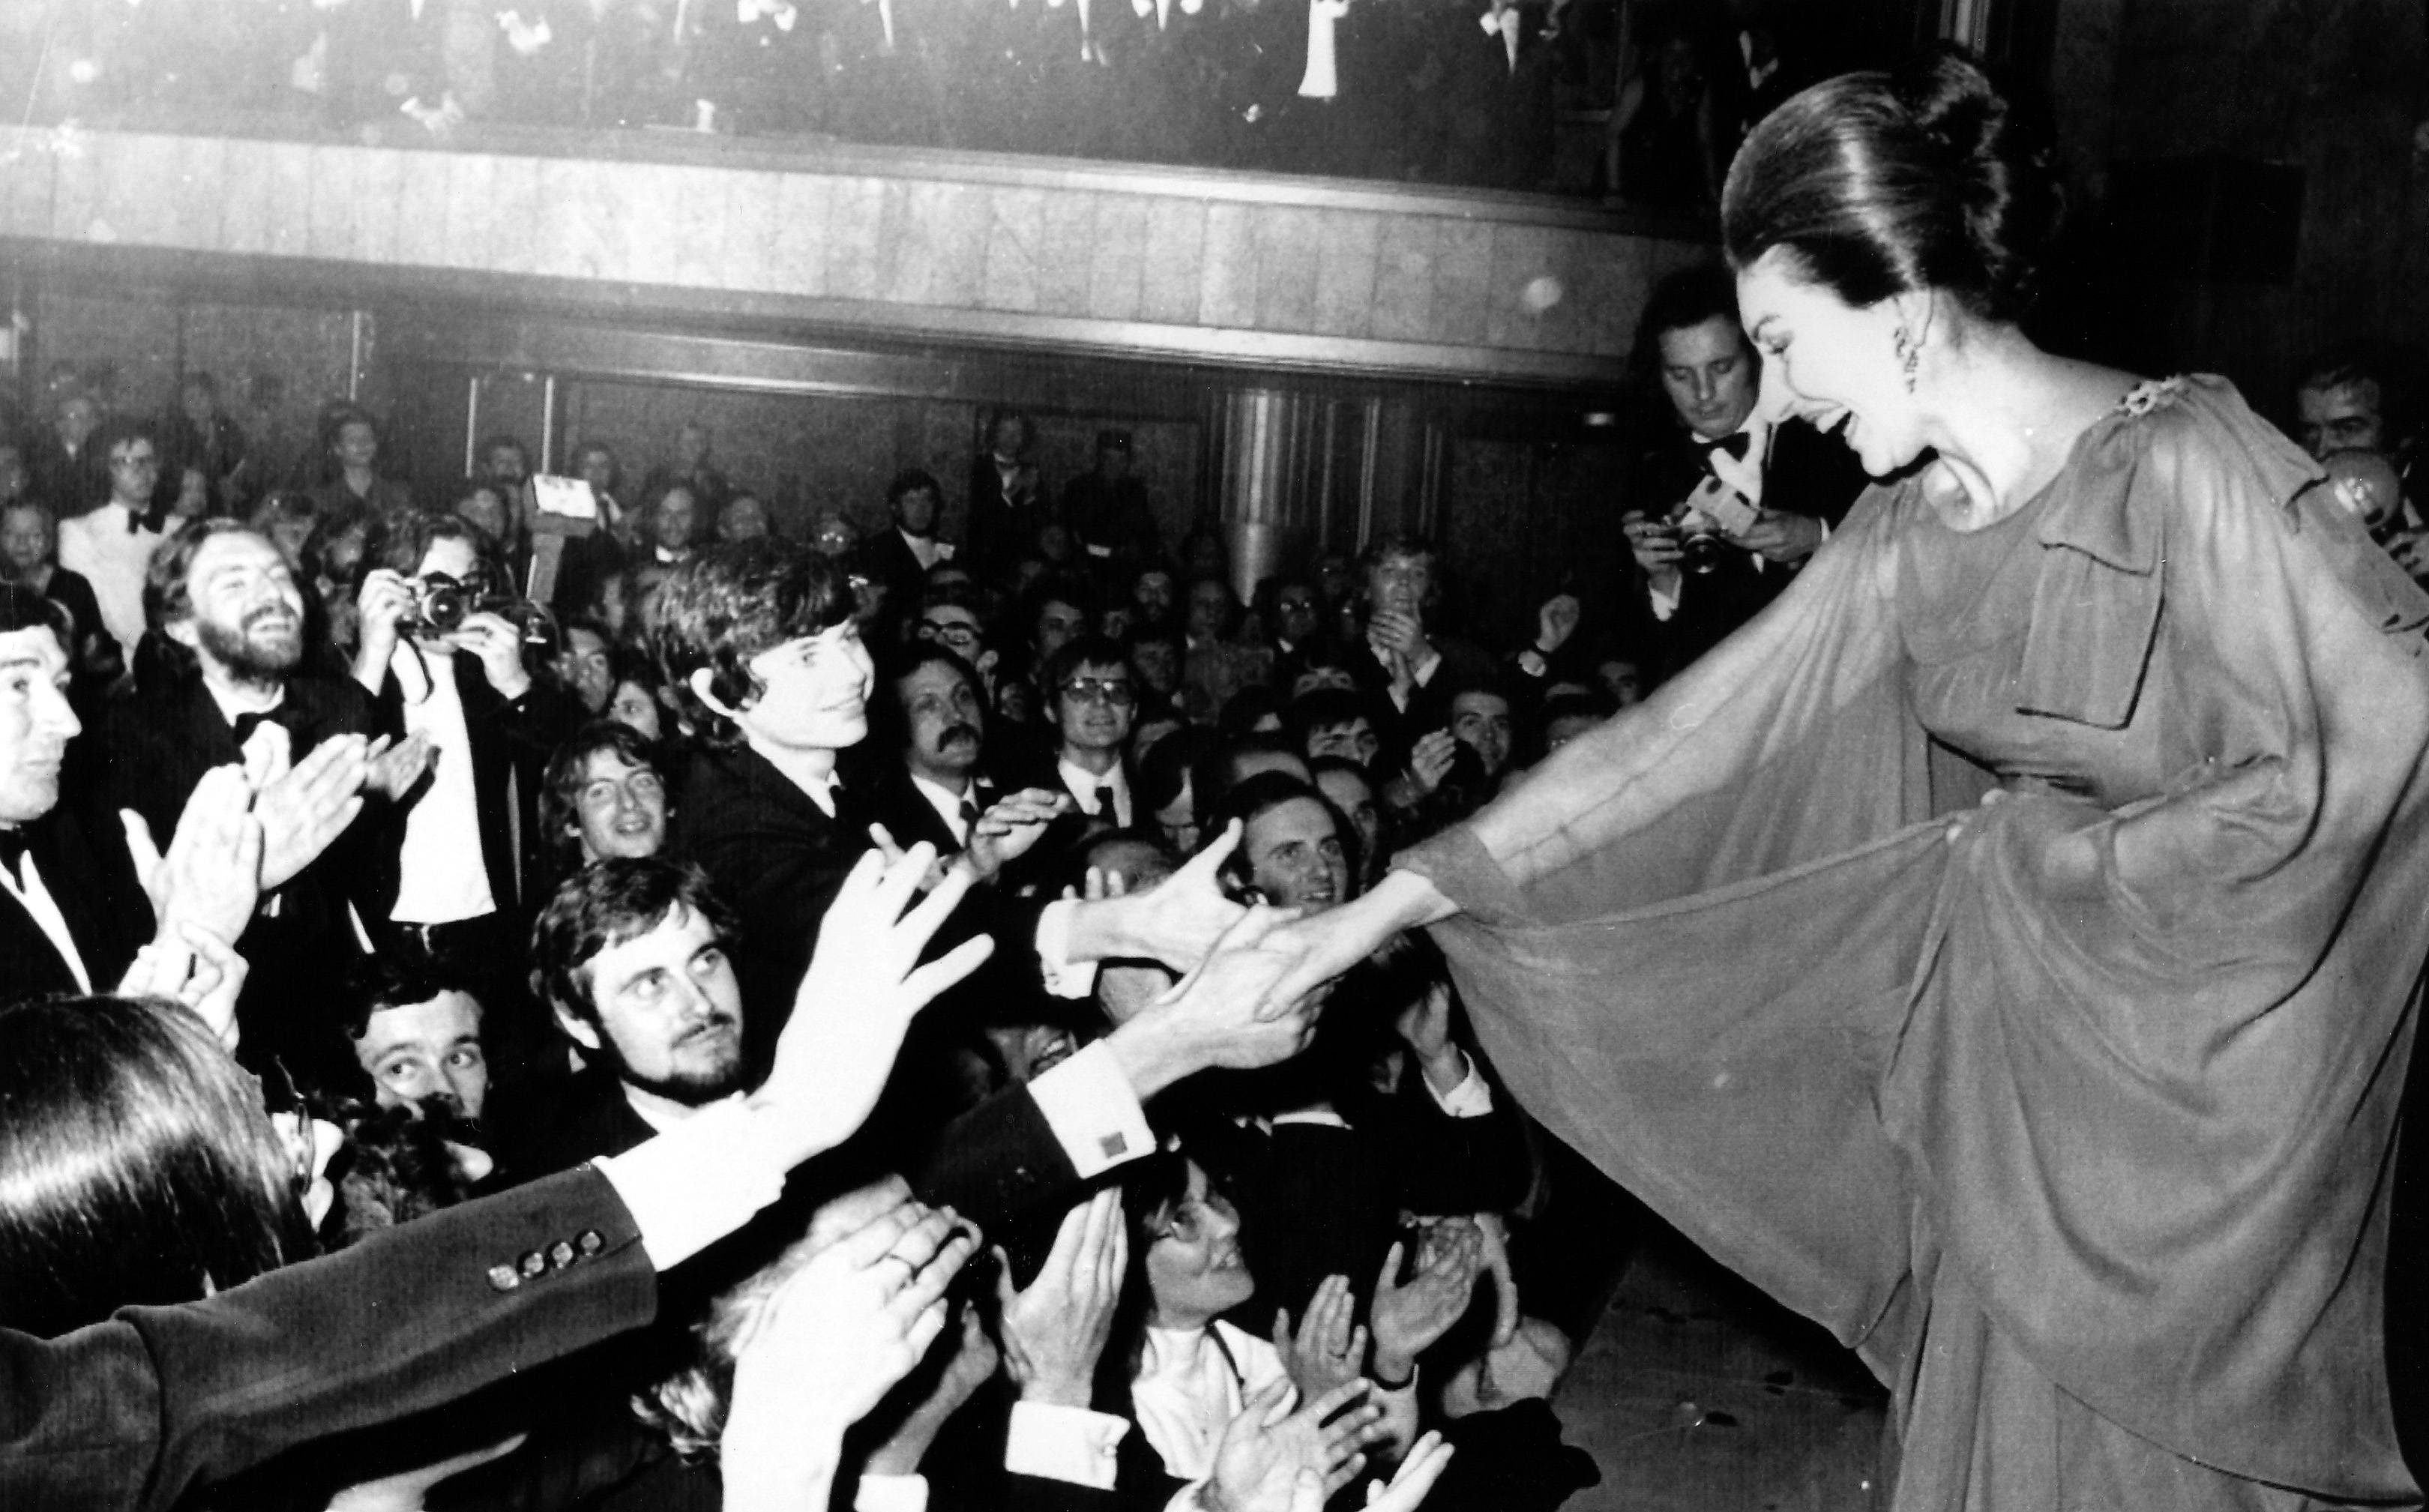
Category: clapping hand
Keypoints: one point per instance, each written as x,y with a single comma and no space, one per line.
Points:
1408,1317
210,876
845,1327
1423,1464
1327,1349
857,999
187,964
303,806
1267,1447
1055,1331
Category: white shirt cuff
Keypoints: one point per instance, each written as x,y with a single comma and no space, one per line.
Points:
1065,977
1471,1098
891,1493
1665,604
1060,1443
696,1183
1424,671
1093,1113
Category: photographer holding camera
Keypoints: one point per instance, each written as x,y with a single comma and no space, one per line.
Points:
1728,506
445,661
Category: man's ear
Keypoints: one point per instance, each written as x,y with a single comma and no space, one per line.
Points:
580,1030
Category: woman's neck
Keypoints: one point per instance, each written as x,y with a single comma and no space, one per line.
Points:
2010,421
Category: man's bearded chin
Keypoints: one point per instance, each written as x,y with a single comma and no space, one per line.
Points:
249,660
688,1086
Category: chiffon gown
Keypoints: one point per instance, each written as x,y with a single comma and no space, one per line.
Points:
2072,1114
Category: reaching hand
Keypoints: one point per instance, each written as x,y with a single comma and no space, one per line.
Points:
1264,1449
1327,1349
1424,1026
211,875
1180,919
849,1324
970,1362
857,999
1495,1231
1012,826
1211,1016
1408,1318
1053,1331
305,807
1782,537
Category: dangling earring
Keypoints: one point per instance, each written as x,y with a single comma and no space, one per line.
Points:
1908,356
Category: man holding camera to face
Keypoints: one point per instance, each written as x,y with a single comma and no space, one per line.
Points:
445,665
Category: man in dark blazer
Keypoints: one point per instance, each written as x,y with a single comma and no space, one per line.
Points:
1698,575
926,774
139,1411
1008,501
226,599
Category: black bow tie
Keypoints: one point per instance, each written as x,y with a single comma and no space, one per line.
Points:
13,853
245,724
1735,444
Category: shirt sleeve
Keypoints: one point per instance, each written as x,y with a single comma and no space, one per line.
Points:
696,1182
891,1493
1471,1098
1064,977
1060,1443
1094,1112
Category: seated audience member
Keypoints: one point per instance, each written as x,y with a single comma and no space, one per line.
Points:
1165,788
204,437
744,518
1409,659
1056,613
2349,398
1479,720
765,663
949,619
292,520
1335,722
1295,626
227,600
915,505
452,894
1156,597
1110,515
1090,702
351,488
1346,785
1156,662
111,546
28,539
587,665
418,1039
67,467
1227,763
638,701
605,795
1564,719
197,1392
481,503
1699,573
675,525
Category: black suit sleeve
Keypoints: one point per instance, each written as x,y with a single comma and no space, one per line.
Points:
136,1411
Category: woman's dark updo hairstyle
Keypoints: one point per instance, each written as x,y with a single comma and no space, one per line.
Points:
1885,184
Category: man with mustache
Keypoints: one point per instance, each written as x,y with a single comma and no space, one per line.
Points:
229,598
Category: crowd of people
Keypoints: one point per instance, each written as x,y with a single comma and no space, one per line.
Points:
1452,92
501,918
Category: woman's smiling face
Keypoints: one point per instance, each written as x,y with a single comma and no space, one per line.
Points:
1831,363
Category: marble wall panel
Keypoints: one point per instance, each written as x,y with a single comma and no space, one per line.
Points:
1514,307
1015,233
1116,259
804,208
1346,262
1462,281
1404,278
1068,242
856,208
134,198
1228,275
1172,268
287,204
421,212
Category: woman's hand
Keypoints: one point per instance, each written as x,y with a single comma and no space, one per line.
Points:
1055,1331
1257,1465
1326,1349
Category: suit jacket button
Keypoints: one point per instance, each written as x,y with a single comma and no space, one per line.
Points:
589,1242
505,1277
560,1255
535,1263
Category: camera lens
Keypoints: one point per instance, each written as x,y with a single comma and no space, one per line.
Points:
1702,554
443,607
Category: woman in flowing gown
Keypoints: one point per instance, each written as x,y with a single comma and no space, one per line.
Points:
2071,1108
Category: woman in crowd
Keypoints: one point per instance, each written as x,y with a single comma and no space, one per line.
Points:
2071,1111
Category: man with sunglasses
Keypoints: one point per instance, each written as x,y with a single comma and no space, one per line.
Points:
1092,703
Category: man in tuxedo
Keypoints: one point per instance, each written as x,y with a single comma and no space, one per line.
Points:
760,648
1726,509
227,599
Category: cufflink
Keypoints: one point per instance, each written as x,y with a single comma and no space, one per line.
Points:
1112,1145
535,1264
588,1241
560,1255
504,1278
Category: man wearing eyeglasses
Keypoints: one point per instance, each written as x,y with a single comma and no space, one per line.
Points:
1091,703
